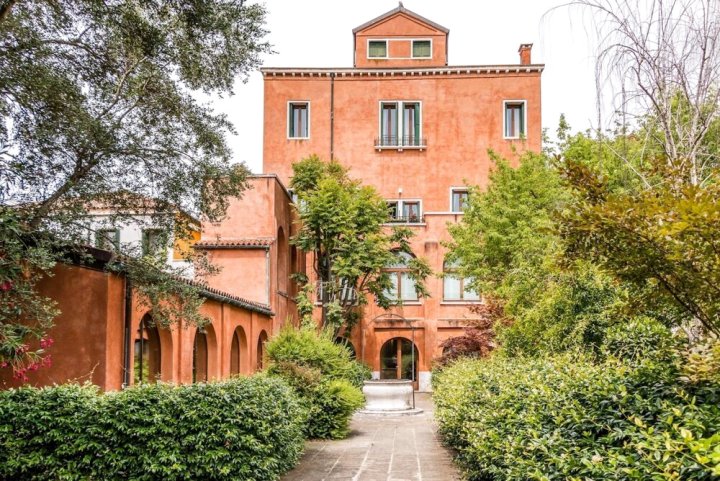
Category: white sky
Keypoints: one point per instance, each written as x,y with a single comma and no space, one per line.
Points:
318,33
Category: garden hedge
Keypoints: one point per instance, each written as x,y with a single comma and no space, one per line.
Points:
566,418
242,429
324,375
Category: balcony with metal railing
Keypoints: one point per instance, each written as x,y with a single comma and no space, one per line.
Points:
411,219
400,142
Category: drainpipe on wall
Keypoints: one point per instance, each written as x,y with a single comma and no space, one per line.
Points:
267,274
332,116
128,323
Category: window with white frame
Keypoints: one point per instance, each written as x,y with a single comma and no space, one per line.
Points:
421,49
458,199
456,287
403,285
377,49
405,211
298,120
515,119
400,124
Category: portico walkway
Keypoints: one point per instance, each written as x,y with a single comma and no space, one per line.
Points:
381,449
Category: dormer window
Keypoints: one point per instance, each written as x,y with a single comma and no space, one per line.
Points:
421,49
377,49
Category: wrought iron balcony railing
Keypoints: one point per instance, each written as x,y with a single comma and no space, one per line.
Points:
413,219
400,141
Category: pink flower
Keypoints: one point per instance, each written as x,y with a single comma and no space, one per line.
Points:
46,342
6,286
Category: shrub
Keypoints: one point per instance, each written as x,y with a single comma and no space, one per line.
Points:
640,339
569,419
323,374
246,429
307,347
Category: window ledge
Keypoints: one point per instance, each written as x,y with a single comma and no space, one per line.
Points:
400,148
407,303
405,224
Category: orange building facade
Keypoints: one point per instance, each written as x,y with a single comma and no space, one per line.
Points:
419,130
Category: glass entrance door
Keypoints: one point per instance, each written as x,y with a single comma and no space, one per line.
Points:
397,360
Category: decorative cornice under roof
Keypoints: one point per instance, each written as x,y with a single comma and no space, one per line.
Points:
403,72
248,243
221,296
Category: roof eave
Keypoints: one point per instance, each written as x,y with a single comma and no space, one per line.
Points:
394,11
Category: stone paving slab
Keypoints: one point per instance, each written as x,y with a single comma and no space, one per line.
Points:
381,448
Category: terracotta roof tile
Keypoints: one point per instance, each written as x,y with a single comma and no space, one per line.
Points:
222,296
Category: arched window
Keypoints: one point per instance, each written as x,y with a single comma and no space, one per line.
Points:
238,349
147,353
398,356
456,287
200,356
403,286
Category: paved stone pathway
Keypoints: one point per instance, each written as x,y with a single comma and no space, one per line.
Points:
381,448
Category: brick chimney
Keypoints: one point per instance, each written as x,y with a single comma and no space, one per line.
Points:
525,49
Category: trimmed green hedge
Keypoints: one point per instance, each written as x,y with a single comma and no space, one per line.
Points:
324,375
570,419
243,429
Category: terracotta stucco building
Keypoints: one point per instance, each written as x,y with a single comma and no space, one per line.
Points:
401,119
419,130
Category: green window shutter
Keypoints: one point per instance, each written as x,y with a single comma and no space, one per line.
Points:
417,123
291,127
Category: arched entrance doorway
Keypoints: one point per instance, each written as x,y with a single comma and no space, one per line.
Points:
146,367
399,359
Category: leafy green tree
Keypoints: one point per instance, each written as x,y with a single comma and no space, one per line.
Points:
97,101
341,223
662,241
508,243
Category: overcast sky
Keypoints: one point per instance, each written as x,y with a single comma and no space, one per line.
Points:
318,33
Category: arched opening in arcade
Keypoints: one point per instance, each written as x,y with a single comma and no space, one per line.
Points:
147,352
238,351
262,339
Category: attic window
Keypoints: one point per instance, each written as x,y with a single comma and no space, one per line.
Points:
377,48
421,49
